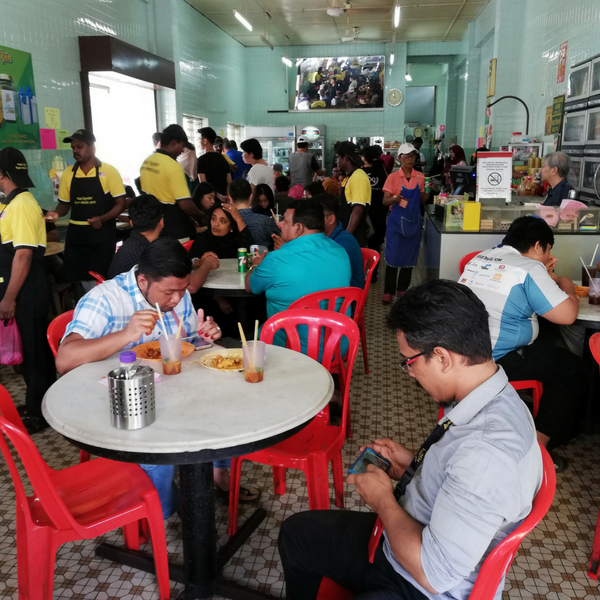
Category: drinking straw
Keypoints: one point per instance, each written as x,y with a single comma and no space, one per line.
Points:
274,218
242,334
179,328
593,257
255,343
277,207
586,269
162,321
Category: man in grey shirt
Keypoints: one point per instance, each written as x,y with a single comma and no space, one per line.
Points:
470,489
303,164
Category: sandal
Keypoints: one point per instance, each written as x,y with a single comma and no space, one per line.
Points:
246,494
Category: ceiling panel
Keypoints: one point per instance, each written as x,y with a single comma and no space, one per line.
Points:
306,22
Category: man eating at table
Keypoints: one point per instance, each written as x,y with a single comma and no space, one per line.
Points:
469,485
121,313
306,262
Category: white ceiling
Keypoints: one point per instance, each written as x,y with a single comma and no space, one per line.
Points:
306,22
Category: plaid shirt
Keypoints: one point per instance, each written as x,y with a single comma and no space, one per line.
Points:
108,307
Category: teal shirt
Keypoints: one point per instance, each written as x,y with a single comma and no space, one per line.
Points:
308,264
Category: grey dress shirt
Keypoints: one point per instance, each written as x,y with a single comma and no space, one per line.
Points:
474,487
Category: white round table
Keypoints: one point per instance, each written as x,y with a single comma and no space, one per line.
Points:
588,312
226,280
201,415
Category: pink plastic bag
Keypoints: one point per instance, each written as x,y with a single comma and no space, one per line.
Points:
11,350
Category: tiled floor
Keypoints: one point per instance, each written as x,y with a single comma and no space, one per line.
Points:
550,564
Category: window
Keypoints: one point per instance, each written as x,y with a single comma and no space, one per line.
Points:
191,125
236,132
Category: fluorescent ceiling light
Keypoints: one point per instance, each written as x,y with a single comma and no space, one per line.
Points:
299,61
408,77
266,42
286,61
242,20
391,58
396,16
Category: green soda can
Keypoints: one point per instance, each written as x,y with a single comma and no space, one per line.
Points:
242,260
426,184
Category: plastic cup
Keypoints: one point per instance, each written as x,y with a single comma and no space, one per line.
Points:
594,295
170,351
254,361
585,280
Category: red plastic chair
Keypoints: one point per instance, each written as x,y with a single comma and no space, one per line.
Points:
57,329
530,384
594,565
99,278
370,261
318,444
77,503
498,561
188,245
55,333
465,260
340,300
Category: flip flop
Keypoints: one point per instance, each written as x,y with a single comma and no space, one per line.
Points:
246,494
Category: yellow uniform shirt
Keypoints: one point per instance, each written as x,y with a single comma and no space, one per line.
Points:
227,158
163,177
357,188
22,223
109,179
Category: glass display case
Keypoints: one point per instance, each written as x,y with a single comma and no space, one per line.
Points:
523,152
590,181
578,86
574,176
592,137
589,219
550,214
574,128
595,83
490,218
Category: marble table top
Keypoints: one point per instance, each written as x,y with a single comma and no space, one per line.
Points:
587,311
226,277
198,409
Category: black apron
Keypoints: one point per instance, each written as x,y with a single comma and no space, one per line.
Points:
31,313
88,249
360,233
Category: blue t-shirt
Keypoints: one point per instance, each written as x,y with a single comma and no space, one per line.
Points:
236,157
558,193
348,242
310,263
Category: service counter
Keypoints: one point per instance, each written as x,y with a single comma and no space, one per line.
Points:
445,247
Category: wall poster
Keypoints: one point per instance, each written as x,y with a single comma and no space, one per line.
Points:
562,62
18,105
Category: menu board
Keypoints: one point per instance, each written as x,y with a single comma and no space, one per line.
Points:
18,104
557,113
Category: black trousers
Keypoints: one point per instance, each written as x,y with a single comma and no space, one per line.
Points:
566,381
334,544
396,282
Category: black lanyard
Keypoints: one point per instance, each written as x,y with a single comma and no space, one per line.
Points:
432,438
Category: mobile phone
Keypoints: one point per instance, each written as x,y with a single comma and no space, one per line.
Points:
199,343
369,457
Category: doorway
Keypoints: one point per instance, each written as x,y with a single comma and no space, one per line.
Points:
124,119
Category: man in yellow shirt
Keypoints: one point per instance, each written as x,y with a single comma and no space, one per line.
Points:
23,288
94,193
163,177
355,195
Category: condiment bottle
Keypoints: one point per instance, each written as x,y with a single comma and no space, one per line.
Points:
127,359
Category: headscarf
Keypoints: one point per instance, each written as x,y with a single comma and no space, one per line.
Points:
459,155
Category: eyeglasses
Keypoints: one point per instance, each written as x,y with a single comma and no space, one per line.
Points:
405,364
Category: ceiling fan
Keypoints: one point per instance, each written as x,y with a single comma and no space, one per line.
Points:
336,10
350,35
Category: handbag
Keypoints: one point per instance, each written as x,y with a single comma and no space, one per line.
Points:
11,350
